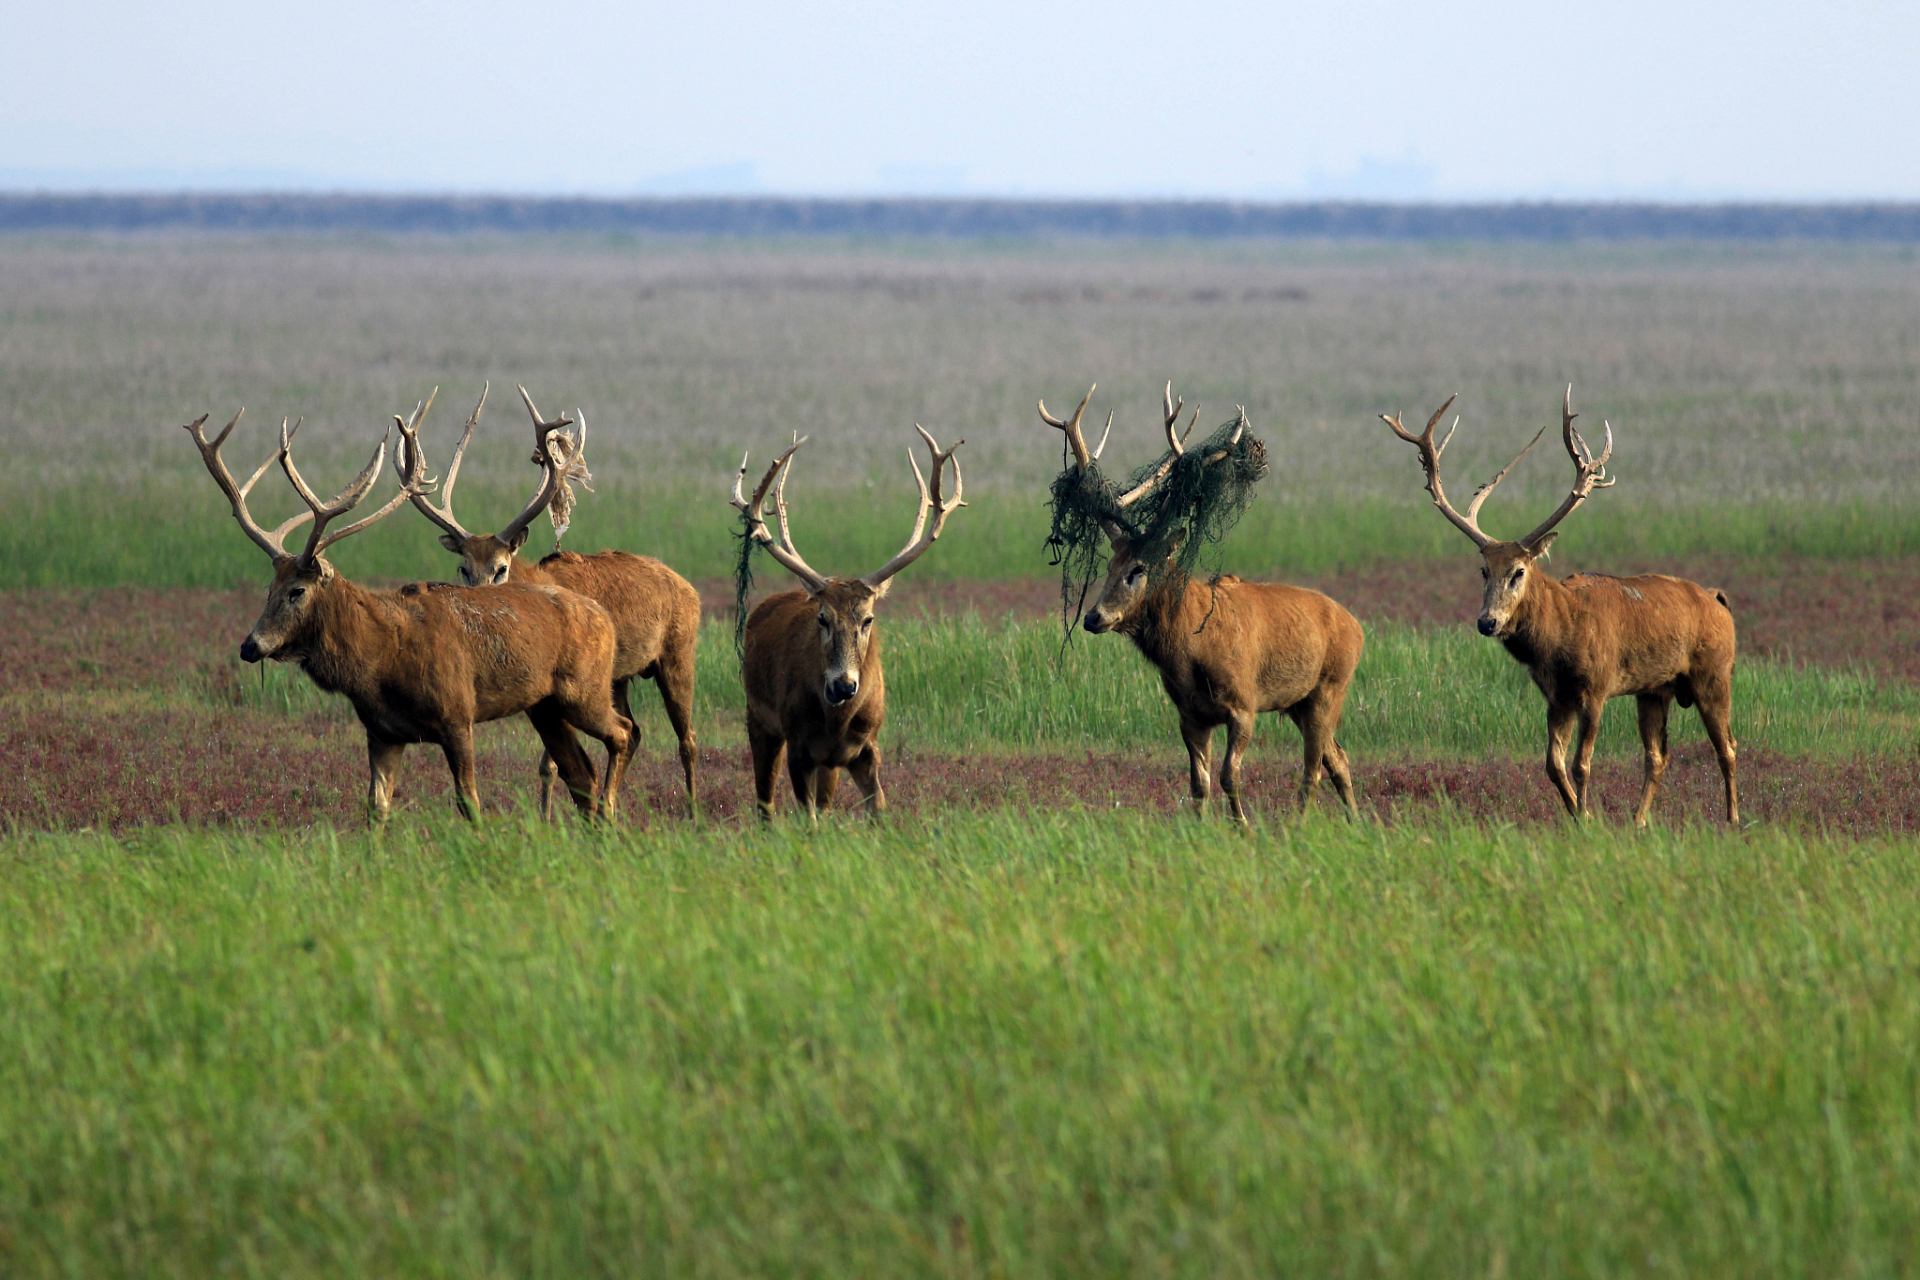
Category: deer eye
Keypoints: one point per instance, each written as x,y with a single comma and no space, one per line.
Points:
824,622
1483,573
1518,574
865,623
1136,573
296,593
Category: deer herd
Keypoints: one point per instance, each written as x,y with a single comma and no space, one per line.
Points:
560,640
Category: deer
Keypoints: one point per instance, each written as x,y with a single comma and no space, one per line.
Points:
1591,637
655,611
1228,651
427,662
810,658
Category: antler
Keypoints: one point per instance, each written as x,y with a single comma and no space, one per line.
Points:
344,501
550,481
1075,440
1177,444
1430,452
411,463
1589,472
783,550
940,509
271,543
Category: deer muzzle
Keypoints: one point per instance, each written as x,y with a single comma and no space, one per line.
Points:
841,688
1488,626
250,650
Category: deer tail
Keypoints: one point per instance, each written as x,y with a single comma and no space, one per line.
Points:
1721,596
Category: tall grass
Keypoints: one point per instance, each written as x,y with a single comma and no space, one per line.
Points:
1012,1043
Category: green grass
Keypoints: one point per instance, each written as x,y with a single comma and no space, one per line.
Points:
970,684
175,532
1014,1043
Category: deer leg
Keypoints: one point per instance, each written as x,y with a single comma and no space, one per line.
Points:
1239,734
1199,740
801,773
383,758
1716,713
1583,759
865,772
1559,732
767,749
674,676
616,732
549,773
457,746
576,771
1653,742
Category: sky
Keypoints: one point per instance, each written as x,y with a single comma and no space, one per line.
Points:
1372,99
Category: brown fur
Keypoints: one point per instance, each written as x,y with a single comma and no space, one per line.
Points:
426,663
1229,650
797,645
656,619
1591,637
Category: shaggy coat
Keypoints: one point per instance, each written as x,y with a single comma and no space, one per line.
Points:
427,662
1229,650
816,692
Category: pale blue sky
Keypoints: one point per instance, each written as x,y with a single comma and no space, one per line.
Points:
1380,98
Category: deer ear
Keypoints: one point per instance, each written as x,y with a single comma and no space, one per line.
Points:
1544,548
519,540
452,543
880,592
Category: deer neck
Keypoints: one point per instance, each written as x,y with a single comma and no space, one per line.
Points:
1541,620
1163,618
347,638
529,573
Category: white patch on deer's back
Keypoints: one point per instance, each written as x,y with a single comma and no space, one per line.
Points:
1632,593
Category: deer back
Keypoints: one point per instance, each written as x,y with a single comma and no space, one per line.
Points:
1262,646
654,609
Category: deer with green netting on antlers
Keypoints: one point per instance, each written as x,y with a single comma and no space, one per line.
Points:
1227,650
427,662
1591,636
655,611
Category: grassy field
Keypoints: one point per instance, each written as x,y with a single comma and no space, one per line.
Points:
1037,1021
1013,1043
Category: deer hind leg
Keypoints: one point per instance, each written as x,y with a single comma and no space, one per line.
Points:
1559,732
767,749
1199,740
1239,734
865,772
549,774
1716,713
674,676
1319,718
575,770
1653,742
458,748
383,758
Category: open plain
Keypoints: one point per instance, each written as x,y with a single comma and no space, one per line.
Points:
1038,1020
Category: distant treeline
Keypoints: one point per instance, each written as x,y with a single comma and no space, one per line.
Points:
781,216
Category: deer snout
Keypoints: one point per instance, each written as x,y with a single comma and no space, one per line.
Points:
250,650
1094,622
1487,625
841,688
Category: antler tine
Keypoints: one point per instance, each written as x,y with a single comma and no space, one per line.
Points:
932,503
1170,411
1480,494
1589,472
542,429
1430,463
782,550
1239,429
346,500
271,543
1075,439
411,462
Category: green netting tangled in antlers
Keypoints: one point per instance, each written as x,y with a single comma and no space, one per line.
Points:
1174,511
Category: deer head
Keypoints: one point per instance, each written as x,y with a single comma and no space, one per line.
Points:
1508,568
485,559
1130,579
299,581
846,605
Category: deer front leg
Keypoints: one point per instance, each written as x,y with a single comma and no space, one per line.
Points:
767,749
383,759
563,749
1653,743
1583,759
549,774
1199,740
1239,734
865,772
800,772
1559,733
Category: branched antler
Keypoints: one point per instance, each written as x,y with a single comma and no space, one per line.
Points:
782,550
269,542
1075,440
1589,472
932,504
411,462
344,501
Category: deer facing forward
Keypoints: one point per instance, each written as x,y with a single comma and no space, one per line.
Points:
1227,650
1592,637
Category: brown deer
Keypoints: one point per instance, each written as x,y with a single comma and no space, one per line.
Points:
656,612
1591,636
810,659
427,662
1229,650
